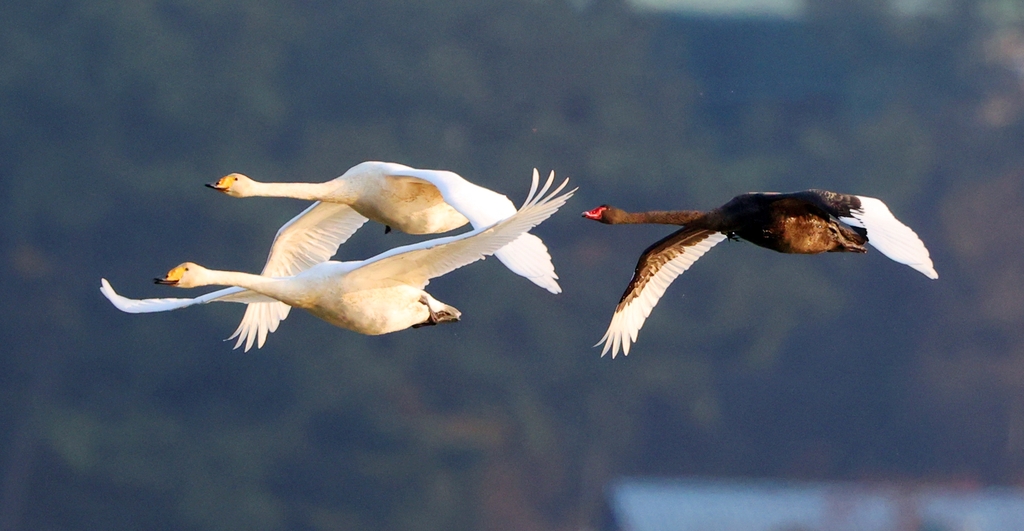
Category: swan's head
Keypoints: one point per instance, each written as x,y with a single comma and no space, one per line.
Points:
599,214
187,275
235,185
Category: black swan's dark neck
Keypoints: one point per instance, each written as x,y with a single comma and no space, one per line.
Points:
663,217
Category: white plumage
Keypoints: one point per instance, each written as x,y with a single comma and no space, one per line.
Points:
374,296
414,201
891,237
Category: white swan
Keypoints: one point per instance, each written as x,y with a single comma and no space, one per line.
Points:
314,235
413,201
308,239
376,296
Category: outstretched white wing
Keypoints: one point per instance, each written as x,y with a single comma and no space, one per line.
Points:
165,305
887,234
308,239
416,264
526,256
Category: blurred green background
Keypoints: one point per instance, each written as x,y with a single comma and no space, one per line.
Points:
755,364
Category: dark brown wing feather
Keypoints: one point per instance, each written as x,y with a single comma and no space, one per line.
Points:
836,204
657,255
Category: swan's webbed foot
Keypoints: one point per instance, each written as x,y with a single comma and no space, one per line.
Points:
438,317
387,229
850,247
848,239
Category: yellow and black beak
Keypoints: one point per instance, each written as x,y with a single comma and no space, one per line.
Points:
172,278
223,184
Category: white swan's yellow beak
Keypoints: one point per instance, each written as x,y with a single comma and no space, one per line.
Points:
225,182
172,278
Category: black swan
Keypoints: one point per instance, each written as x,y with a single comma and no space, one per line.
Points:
807,222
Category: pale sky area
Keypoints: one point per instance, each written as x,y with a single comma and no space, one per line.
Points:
779,8
776,8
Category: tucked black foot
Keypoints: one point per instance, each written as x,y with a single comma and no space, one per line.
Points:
387,229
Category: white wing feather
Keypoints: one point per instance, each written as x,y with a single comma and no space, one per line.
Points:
481,206
314,235
891,237
526,256
416,264
164,305
627,321
310,238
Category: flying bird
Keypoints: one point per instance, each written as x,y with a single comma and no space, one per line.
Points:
413,201
376,296
807,222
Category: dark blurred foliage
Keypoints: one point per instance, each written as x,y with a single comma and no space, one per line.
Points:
754,364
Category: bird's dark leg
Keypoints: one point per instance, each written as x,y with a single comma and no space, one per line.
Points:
436,317
431,320
387,229
849,240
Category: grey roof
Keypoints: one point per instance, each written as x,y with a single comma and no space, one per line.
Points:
751,505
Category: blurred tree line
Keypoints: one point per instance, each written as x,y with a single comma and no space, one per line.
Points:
755,364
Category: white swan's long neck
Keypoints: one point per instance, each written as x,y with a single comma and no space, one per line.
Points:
285,291
306,191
